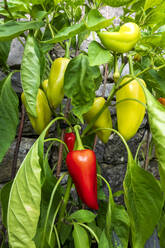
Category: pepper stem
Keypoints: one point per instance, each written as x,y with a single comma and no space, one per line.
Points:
78,139
130,65
116,74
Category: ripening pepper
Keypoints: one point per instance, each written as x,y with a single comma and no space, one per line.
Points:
104,120
130,113
69,139
122,41
43,112
81,165
162,100
44,85
55,91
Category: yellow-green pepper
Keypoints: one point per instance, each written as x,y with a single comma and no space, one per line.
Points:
130,113
123,40
44,85
55,91
104,120
43,112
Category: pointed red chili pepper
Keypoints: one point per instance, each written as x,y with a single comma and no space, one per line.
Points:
69,139
82,168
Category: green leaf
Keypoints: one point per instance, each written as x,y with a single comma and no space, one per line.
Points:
56,2
116,3
95,21
49,182
83,36
157,81
17,8
151,3
80,236
154,40
162,231
156,114
30,73
103,243
98,55
4,198
80,84
95,228
12,29
144,202
67,32
156,16
4,52
24,201
9,116
83,216
65,232
121,224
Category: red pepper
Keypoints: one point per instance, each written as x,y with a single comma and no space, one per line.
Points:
162,100
69,139
82,168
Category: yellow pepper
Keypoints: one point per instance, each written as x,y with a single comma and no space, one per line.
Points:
43,112
55,91
130,113
123,40
104,120
44,85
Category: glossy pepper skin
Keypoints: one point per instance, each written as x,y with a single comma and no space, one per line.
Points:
104,120
69,139
55,91
122,41
44,85
130,113
82,168
43,112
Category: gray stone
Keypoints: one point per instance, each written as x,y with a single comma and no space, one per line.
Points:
109,12
16,83
6,165
16,52
107,91
115,151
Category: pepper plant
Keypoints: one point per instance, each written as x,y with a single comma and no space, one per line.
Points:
41,205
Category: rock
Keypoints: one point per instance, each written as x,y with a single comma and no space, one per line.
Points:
6,165
107,91
16,83
115,151
16,53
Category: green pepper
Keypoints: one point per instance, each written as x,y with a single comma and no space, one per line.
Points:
43,112
55,91
123,40
130,113
104,120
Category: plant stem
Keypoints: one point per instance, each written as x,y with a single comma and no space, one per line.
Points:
130,65
65,202
7,8
67,51
145,70
116,74
16,151
146,162
95,142
19,39
105,79
78,139
59,163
